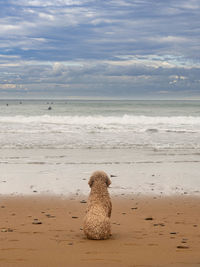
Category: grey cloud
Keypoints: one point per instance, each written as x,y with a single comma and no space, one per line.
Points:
103,28
105,78
99,47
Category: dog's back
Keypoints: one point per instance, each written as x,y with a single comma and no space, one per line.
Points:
96,222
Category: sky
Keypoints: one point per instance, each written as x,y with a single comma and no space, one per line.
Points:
132,49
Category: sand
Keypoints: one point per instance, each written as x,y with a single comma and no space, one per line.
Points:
66,171
146,231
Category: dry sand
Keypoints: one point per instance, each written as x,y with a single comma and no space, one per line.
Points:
146,231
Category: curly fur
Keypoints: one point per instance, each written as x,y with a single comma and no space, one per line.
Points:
96,223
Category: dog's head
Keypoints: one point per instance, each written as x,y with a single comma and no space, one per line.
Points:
99,176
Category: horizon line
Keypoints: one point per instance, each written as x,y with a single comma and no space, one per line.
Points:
101,99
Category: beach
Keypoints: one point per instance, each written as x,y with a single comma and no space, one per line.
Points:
151,152
155,219
66,171
99,108
146,231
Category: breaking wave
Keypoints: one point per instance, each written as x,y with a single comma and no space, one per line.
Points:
99,120
125,131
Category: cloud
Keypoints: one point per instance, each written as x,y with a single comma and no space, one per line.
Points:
101,78
100,47
46,3
10,86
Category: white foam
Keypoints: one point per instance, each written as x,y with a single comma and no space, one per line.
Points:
99,120
98,131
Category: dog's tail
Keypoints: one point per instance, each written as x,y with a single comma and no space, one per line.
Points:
97,227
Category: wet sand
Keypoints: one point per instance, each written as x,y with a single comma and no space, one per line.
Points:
146,231
60,171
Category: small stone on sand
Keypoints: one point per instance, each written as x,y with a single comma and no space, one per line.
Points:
83,201
5,230
50,216
182,247
149,219
36,222
159,224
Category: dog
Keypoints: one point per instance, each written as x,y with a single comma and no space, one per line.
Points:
96,223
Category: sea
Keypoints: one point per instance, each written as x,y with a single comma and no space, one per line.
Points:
53,146
99,124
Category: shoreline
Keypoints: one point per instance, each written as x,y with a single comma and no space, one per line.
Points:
146,231
61,172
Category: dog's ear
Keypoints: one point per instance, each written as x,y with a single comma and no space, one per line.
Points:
108,181
91,181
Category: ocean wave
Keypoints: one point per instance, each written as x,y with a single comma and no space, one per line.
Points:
125,131
102,120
